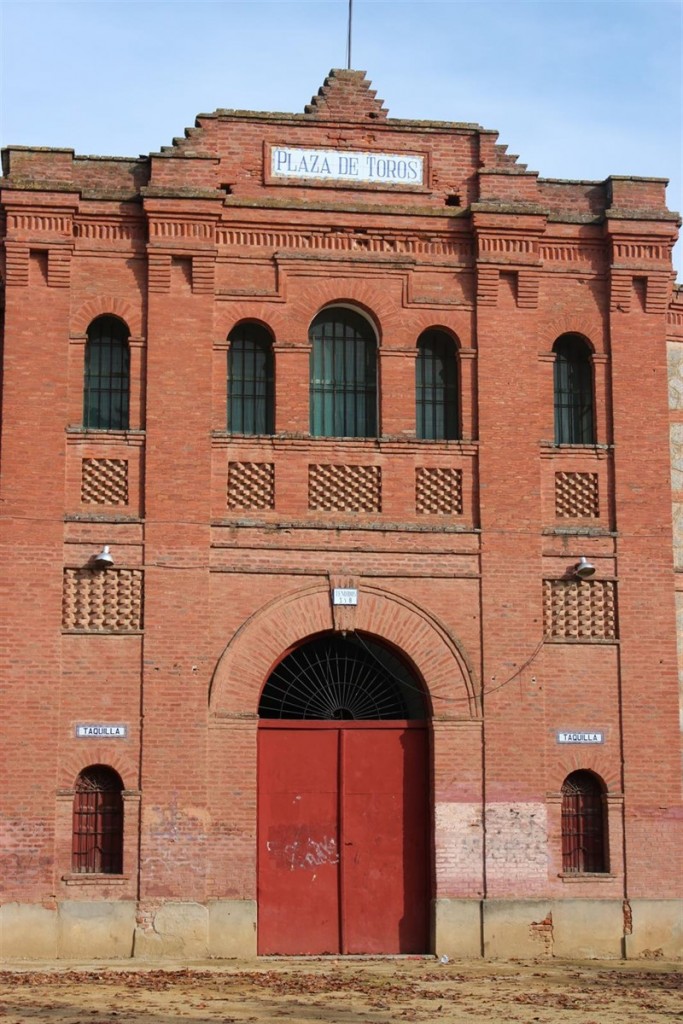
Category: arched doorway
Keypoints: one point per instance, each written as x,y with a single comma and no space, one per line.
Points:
343,820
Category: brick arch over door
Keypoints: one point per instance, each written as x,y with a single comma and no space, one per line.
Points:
287,621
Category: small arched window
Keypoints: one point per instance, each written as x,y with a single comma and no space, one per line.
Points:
107,375
251,380
343,386
98,822
573,391
436,387
583,824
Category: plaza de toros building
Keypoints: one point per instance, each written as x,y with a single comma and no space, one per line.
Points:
339,596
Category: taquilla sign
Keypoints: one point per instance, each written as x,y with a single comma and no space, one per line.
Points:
346,165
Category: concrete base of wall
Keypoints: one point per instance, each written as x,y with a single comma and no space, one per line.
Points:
462,929
457,928
232,928
656,930
73,928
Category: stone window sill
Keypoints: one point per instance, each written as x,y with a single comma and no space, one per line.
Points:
587,876
86,878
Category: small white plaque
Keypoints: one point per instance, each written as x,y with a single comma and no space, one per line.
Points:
580,737
98,731
340,596
347,165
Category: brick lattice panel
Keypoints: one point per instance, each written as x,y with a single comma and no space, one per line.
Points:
345,488
102,601
579,610
104,482
576,496
438,491
251,486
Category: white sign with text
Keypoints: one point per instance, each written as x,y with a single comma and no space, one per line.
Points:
347,165
101,732
580,737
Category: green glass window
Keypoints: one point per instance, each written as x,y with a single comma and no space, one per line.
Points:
251,378
343,391
436,387
573,391
107,375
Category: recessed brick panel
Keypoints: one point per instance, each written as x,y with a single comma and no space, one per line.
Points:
102,601
345,488
251,486
104,482
438,491
576,496
579,610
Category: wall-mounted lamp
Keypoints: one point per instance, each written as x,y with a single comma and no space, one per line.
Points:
583,570
103,559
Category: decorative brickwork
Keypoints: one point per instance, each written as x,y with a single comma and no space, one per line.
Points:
579,610
487,285
102,601
345,488
438,491
104,482
203,275
16,260
527,289
159,272
251,486
347,94
59,268
576,496
347,240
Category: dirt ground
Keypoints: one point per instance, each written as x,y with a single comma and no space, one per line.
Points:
329,991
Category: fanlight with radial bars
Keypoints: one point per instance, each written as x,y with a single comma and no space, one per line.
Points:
342,678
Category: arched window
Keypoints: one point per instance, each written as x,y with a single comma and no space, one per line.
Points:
107,375
436,387
98,822
251,376
343,392
573,391
342,678
583,825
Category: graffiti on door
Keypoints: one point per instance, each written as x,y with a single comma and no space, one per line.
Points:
298,847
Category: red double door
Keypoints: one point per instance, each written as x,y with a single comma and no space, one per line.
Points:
343,844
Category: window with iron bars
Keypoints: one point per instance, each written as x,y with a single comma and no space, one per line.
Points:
573,391
343,385
98,822
106,386
251,381
436,387
583,824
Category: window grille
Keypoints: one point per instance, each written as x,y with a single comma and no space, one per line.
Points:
573,391
107,375
251,381
583,828
342,678
98,822
436,387
343,391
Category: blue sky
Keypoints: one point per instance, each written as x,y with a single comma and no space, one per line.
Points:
577,89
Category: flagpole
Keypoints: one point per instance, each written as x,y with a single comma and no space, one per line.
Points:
348,39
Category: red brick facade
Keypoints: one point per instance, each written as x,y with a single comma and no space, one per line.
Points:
226,546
